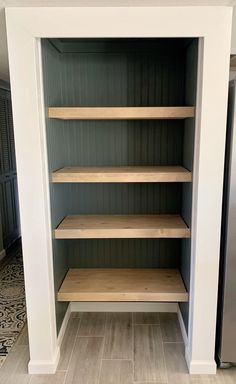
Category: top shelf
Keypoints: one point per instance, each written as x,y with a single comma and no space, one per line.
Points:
120,113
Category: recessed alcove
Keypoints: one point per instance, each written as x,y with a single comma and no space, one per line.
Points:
120,138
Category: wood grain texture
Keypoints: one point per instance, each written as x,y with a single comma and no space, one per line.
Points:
118,336
120,284
120,113
177,371
23,338
116,372
225,376
92,324
122,174
57,378
121,226
149,364
170,328
68,343
14,370
15,367
146,318
85,363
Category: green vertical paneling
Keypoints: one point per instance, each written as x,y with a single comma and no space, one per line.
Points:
123,76
117,73
56,159
188,155
123,142
125,253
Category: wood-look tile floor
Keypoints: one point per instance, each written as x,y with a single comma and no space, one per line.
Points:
114,348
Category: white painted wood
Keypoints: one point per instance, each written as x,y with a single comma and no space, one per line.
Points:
209,151
122,307
182,327
4,70
37,367
35,216
196,366
213,24
63,326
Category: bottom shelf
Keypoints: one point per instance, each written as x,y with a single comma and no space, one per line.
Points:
120,284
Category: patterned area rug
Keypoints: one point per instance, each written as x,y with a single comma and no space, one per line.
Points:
12,303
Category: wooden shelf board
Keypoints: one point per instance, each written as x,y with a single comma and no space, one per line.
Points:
112,113
122,226
97,284
121,174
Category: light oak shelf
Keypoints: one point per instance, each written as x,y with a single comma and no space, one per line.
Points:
120,113
97,284
122,226
121,175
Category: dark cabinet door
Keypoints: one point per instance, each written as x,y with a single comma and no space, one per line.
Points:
8,176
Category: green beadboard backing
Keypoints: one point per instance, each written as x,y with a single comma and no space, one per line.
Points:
125,253
188,157
56,159
146,73
122,142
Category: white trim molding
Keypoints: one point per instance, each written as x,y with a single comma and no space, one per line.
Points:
37,367
64,326
200,367
25,27
182,327
122,307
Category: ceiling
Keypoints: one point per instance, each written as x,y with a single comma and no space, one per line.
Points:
4,70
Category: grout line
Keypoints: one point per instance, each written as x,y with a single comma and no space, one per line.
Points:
164,356
149,382
72,351
117,359
88,336
100,366
80,320
102,351
147,324
30,379
133,344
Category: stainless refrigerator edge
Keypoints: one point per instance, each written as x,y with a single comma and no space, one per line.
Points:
226,320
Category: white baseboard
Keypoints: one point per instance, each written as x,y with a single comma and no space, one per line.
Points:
195,367
2,254
200,367
63,326
122,307
37,367
182,327
49,367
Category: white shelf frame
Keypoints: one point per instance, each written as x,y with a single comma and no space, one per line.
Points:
25,26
